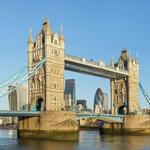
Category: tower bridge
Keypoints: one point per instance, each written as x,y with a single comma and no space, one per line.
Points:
45,76
46,87
46,64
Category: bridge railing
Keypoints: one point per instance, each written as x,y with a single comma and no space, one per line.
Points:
103,117
7,113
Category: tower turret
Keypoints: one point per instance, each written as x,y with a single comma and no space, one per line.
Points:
47,31
30,50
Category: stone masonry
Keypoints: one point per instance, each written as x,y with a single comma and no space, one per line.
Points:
46,87
124,91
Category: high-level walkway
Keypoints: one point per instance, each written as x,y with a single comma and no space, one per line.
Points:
83,65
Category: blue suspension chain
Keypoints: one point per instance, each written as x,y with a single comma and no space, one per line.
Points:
144,93
19,79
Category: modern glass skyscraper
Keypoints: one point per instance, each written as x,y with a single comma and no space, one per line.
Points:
70,89
100,102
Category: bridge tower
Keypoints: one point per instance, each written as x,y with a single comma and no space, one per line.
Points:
124,91
46,87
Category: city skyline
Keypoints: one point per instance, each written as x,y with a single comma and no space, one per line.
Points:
113,31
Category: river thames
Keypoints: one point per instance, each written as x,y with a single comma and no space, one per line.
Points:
88,140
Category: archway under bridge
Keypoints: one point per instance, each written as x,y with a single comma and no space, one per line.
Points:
40,104
87,86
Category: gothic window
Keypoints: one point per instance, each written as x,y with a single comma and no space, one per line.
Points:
120,96
34,44
55,98
33,85
115,91
38,84
121,84
125,64
43,85
43,41
54,85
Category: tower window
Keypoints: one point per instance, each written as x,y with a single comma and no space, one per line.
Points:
125,64
54,85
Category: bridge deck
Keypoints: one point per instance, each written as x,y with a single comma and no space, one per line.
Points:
7,113
104,117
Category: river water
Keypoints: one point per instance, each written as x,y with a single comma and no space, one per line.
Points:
88,140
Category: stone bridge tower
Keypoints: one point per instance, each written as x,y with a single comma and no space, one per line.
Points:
46,87
124,91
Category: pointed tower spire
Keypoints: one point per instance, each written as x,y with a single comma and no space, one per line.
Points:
61,33
30,39
112,63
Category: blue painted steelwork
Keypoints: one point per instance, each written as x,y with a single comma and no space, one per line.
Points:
11,84
144,93
7,113
103,117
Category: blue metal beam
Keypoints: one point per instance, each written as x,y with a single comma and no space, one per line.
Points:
7,113
103,117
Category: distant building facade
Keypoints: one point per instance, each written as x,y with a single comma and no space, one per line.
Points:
100,102
81,105
67,98
105,95
18,99
70,89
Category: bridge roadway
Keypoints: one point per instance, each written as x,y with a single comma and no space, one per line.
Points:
90,67
103,117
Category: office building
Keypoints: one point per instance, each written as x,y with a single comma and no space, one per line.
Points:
70,89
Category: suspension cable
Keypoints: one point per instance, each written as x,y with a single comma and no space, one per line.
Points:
144,93
7,88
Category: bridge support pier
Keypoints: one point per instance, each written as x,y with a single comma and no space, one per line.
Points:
133,125
49,125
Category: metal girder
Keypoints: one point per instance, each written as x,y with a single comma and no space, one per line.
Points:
7,113
103,117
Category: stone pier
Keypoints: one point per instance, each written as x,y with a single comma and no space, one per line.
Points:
50,125
133,125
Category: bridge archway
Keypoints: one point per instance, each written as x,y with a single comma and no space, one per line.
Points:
39,104
121,110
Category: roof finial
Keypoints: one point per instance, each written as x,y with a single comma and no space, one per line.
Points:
136,55
61,33
30,30
30,40
61,28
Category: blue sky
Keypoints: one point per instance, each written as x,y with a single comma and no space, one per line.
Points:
95,29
